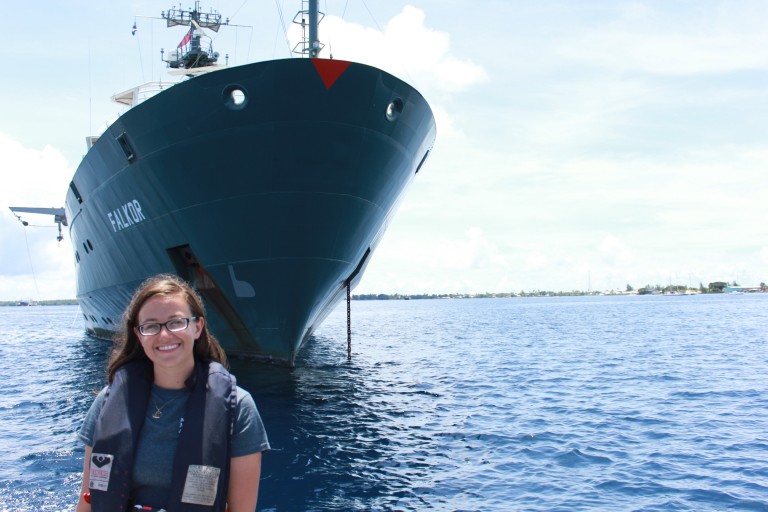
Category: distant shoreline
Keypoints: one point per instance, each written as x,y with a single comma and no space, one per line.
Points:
397,296
427,296
57,302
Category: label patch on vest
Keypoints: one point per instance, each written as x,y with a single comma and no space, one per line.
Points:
201,485
101,468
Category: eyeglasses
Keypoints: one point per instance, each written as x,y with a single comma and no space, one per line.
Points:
175,325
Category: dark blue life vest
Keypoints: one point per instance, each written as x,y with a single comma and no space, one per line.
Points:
201,464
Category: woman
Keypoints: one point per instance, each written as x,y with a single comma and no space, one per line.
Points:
171,429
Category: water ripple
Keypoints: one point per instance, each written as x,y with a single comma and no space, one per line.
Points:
561,404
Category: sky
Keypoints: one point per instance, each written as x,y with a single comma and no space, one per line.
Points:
581,144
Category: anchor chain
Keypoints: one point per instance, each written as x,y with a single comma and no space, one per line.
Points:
349,321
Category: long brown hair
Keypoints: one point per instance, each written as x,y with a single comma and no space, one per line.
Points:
127,346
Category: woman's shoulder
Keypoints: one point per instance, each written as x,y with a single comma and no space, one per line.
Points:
246,411
244,396
102,393
98,401
89,423
249,434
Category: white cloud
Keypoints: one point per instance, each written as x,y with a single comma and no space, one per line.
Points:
407,263
666,54
32,263
615,252
537,260
31,175
587,111
474,251
666,40
405,47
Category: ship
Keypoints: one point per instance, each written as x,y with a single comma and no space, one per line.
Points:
267,186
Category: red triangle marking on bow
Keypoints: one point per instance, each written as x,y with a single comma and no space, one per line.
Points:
330,70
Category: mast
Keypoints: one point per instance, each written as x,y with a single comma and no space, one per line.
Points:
192,52
309,18
314,42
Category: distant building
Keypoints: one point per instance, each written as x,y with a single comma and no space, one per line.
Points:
743,289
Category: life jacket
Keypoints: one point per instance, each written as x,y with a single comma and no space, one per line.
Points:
201,464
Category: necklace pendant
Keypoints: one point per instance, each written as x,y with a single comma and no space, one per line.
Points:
159,410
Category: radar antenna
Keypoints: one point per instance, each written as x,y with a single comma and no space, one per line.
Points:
195,49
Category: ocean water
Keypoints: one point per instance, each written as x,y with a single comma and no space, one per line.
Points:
554,404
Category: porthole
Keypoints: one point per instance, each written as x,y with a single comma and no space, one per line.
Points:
238,97
86,248
235,97
90,245
394,109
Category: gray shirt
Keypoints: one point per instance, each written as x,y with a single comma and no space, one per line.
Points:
153,463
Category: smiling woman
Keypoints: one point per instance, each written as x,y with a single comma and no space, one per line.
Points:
157,427
169,350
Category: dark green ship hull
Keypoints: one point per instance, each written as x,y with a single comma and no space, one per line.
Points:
268,201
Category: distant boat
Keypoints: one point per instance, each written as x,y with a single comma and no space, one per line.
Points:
267,186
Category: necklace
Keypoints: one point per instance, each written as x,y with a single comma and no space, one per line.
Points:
159,410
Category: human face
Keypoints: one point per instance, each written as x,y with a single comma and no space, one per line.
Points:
170,352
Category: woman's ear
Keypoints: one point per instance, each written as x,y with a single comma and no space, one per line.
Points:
199,326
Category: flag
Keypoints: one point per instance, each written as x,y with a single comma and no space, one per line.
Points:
133,31
187,38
